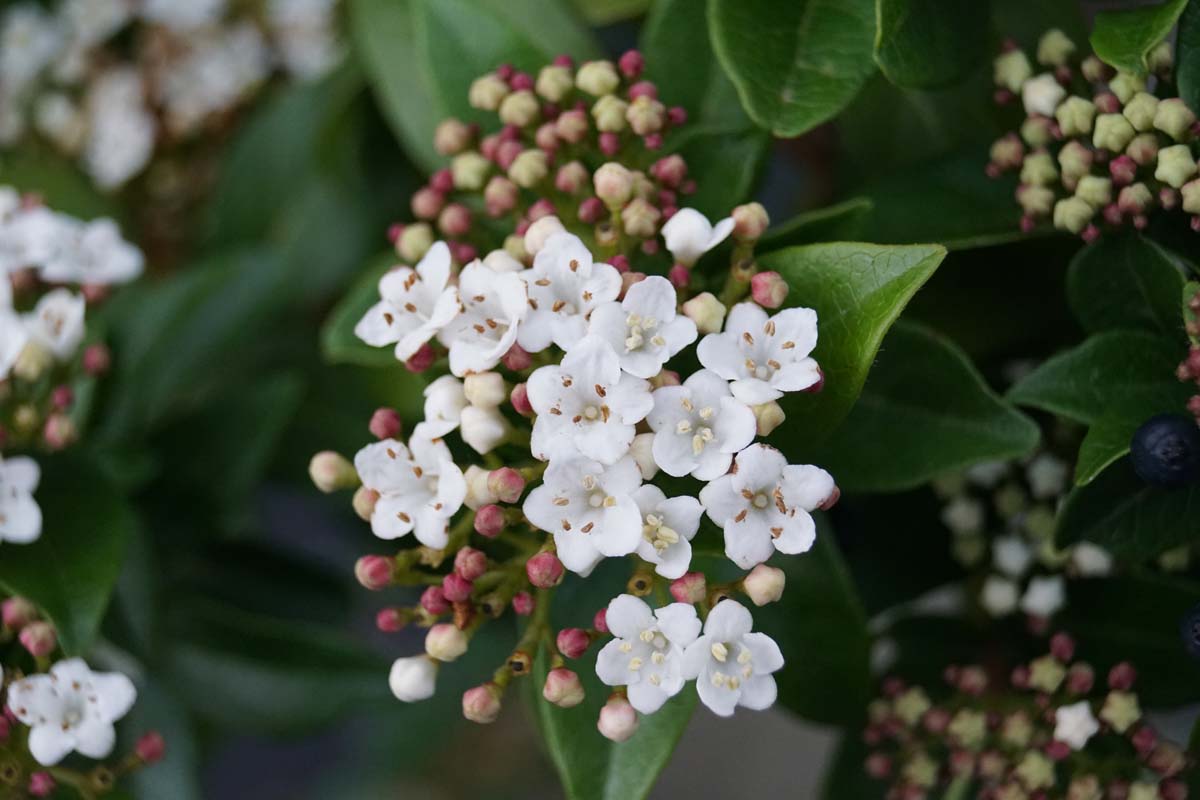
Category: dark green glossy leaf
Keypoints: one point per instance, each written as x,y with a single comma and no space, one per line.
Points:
727,163
795,64
1107,440
177,774
858,291
1187,56
1124,37
846,775
927,43
70,571
924,411
1128,517
841,222
1125,281
607,12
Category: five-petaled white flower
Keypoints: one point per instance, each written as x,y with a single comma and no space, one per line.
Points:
764,505
12,330
689,234
643,328
20,515
731,665
71,708
56,322
586,405
444,404
589,508
28,237
414,305
564,286
494,303
699,426
1075,724
646,652
92,253
668,525
763,357
418,491
1044,596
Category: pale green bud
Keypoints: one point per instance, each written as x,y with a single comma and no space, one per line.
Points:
1161,59
1054,48
1174,118
1140,111
1175,165
1011,69
1039,169
609,113
598,78
529,168
1095,190
520,109
487,91
469,171
1035,201
1072,214
1126,85
1112,132
554,82
1075,116
415,241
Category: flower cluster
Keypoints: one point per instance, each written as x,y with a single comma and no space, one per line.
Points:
554,371
109,81
1048,732
1096,148
60,707
1002,517
52,266
1189,369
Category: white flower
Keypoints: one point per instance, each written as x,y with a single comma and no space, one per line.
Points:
418,492
1041,95
483,428
1011,555
987,473
56,322
689,234
71,708
1075,724
29,41
668,526
93,21
185,16
445,400
415,304
1047,476
763,357
20,515
93,253
586,405
219,68
413,678
763,505
999,596
1091,561
564,287
13,337
305,35
731,665
1043,596
963,515
643,329
698,426
30,236
589,508
494,304
646,652
122,133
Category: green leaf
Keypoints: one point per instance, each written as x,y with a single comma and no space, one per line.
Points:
1125,281
927,408
858,291
590,766
821,629
1107,440
1124,37
1124,371
63,187
727,164
837,223
177,774
1187,56
928,43
338,342
422,55
795,64
607,12
70,571
1128,517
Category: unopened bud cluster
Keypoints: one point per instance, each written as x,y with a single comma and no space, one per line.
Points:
1097,148
1053,728
1189,368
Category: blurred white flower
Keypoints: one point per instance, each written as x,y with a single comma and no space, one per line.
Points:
20,515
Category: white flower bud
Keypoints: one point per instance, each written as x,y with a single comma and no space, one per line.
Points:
469,170
451,136
1140,111
1095,190
618,721
706,311
1011,69
528,168
1073,214
613,184
764,584
645,115
1043,596
485,389
554,82
999,596
609,114
478,495
1112,132
1054,48
1090,560
963,515
487,91
483,428
520,109
1174,118
640,449
541,230
1038,169
331,471
1191,197
502,261
1036,201
1041,95
769,416
445,642
1175,165
1075,116
597,78
413,678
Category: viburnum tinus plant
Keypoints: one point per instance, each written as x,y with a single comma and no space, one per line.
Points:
552,366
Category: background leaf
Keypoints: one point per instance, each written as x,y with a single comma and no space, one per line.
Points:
924,411
1124,37
841,222
1187,56
928,43
339,344
1125,281
795,64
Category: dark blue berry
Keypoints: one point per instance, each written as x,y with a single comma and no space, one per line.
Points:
1189,629
1166,451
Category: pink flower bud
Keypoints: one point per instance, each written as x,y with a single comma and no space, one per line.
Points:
629,279
390,620
452,137
507,153
523,603
482,703
620,263
500,195
677,115
573,642
768,289
394,232
1144,740
331,471
643,89
878,766
62,397
150,748
442,181
59,432
572,126
375,572
445,642
385,423
670,170
489,520
456,588
96,359
546,137
571,178
17,612
1123,170
610,143
600,620
654,141
690,588
1173,790
517,359
427,203
520,401
750,222
618,721
434,601
455,220
507,484
421,360
470,563
520,81
631,63
613,184
38,638
544,570
41,784
1121,677
541,208
590,210
764,584
1056,750
1080,679
1062,647
563,688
